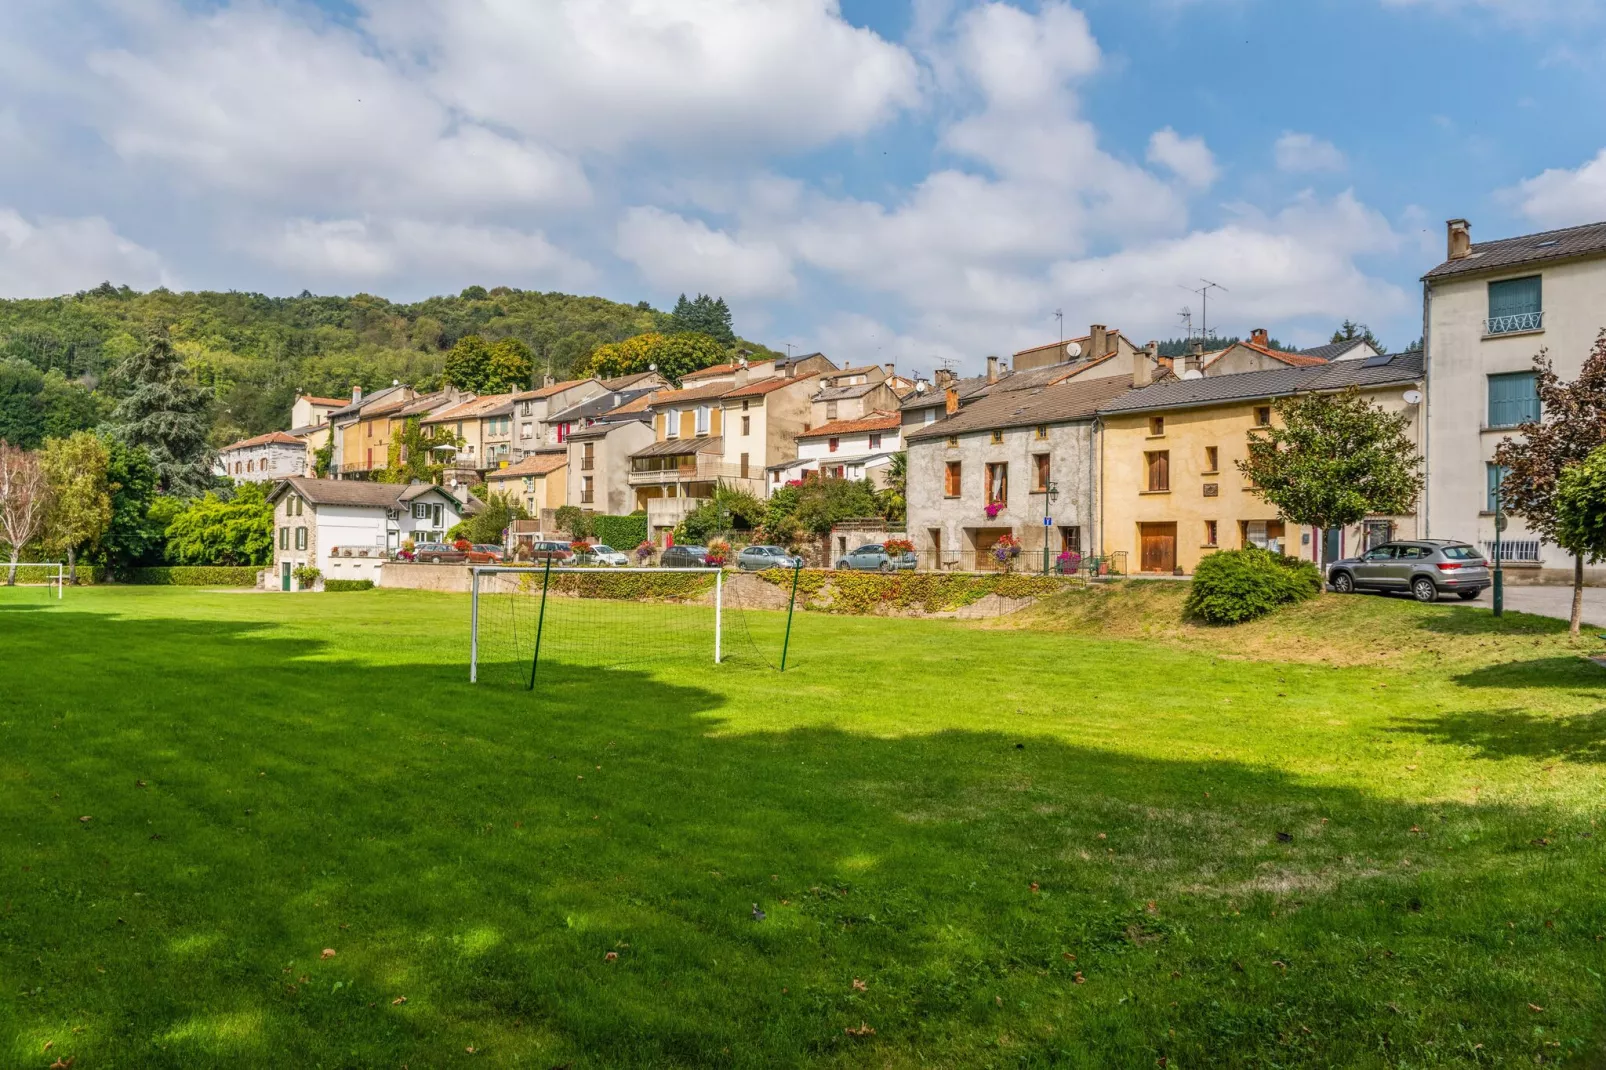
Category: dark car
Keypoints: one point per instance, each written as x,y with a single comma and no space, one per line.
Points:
550,550
484,553
438,553
873,557
758,558
687,556
1426,568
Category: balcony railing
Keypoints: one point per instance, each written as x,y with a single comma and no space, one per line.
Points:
1520,550
1512,324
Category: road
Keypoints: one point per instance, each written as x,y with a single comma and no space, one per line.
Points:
1553,602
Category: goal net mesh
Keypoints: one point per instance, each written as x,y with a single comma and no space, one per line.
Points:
621,618
48,577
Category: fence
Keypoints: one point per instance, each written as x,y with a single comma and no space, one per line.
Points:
1516,551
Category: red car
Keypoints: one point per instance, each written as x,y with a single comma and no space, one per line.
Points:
483,553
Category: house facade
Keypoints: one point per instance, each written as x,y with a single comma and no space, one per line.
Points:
538,482
599,465
1015,463
847,449
1488,310
761,421
678,471
1171,490
532,430
365,439
468,420
275,455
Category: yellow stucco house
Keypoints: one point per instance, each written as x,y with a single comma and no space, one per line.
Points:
1169,485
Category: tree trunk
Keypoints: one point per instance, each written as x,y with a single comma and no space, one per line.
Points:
11,574
72,565
1578,593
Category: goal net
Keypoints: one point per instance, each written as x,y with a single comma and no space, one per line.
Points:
51,576
533,624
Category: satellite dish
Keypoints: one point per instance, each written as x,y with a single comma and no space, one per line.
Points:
1073,349
1413,397
920,387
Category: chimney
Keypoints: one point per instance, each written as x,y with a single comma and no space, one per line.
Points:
992,369
1099,340
548,379
951,400
943,376
892,369
1193,365
1459,238
1259,337
356,394
1144,361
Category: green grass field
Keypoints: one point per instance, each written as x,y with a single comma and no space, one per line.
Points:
1363,833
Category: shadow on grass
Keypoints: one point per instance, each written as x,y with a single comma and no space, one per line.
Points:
1516,733
255,797
1473,619
1563,671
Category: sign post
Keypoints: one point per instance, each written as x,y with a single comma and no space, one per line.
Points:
1050,492
1499,573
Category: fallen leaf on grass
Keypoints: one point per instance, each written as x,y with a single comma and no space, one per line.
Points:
63,1064
139,783
858,985
1102,836
1536,1008
1152,907
49,1044
610,956
862,1030
328,953
398,1001
1078,978
469,1049
1034,887
86,817
1068,956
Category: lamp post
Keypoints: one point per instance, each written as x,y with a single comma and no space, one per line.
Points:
1499,529
1051,492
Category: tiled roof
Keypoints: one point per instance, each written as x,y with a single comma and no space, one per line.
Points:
625,382
1503,253
537,464
427,403
1334,350
356,492
759,387
352,408
1044,376
711,370
968,388
1077,399
547,391
859,369
880,421
605,424
690,393
276,438
1275,382
1297,360
638,403
841,393
337,402
470,408
1111,334
677,447
595,406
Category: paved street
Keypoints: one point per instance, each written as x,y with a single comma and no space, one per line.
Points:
1553,602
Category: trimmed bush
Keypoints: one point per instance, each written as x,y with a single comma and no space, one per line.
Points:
1234,586
348,585
620,532
193,576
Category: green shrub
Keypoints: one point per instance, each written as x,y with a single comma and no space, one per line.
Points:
1234,586
307,576
623,533
192,576
348,585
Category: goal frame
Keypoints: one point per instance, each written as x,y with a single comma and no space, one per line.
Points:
546,574
59,582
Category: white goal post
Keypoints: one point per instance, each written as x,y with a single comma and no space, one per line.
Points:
55,574
537,583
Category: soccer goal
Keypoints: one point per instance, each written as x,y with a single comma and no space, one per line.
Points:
528,623
51,575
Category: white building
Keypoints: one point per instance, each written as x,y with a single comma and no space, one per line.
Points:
846,449
1488,310
348,528
274,455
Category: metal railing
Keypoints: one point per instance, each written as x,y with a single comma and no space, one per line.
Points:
1519,321
1522,551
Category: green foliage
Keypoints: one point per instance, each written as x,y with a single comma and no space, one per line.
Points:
574,520
674,355
211,531
623,533
166,413
705,315
36,405
1181,347
501,509
482,367
625,586
817,505
307,576
190,576
411,454
869,593
728,510
1581,507
323,458
81,506
1335,459
348,585
1350,331
1234,586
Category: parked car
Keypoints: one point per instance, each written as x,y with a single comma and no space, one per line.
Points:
556,552
759,558
687,556
873,557
1426,568
484,553
438,553
601,554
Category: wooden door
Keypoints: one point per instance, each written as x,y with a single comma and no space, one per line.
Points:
1158,543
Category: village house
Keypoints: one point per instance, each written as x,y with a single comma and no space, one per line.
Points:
468,421
366,438
761,422
274,455
539,482
599,453
860,448
1490,307
347,528
678,470
309,422
531,431
1171,490
1099,345
852,394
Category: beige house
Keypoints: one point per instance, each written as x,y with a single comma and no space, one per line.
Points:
852,394
274,455
538,482
599,462
531,432
761,422
469,421
1490,307
678,471
309,422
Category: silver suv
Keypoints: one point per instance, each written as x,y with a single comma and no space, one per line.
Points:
1426,568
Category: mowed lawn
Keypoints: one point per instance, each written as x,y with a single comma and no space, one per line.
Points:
252,830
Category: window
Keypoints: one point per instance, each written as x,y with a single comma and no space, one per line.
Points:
747,422
1042,432
998,438
1212,459
832,444
586,491
744,464
950,480
830,410
1263,416
744,404
672,424
1156,426
997,483
1495,475
930,416
301,538
1071,539
1377,532
1513,399
1040,469
1515,305
250,466
370,428
300,503
588,456
284,538
527,430
420,510
525,409
702,419
1159,470
875,441
1212,529
953,441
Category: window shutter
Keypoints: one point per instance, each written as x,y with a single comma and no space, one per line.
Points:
1515,297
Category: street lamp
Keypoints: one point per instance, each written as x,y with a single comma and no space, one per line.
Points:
1049,494
1499,528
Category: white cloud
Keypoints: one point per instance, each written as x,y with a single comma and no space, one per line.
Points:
1560,197
55,256
1189,158
675,253
1298,153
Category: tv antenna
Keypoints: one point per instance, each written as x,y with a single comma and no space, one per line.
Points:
1204,306
1186,316
1059,314
788,346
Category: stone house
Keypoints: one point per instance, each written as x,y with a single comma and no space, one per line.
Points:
274,455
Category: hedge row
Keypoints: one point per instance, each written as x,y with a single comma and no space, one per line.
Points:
348,585
41,574
192,576
623,533
622,586
930,592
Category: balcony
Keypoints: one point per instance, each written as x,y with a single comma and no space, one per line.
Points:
667,512
1516,323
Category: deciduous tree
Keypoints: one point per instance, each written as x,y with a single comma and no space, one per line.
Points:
1581,506
134,533
24,501
211,531
1334,460
81,504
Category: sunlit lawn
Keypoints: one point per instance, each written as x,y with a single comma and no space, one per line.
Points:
972,845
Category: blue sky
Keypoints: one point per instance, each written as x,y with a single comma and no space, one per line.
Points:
892,180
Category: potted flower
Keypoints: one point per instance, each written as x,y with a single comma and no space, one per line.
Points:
462,545
1068,562
719,552
644,552
993,509
899,548
1006,550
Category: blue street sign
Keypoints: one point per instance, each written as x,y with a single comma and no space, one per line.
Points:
1048,521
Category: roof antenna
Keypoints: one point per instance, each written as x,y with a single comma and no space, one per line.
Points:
1204,297
1059,314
